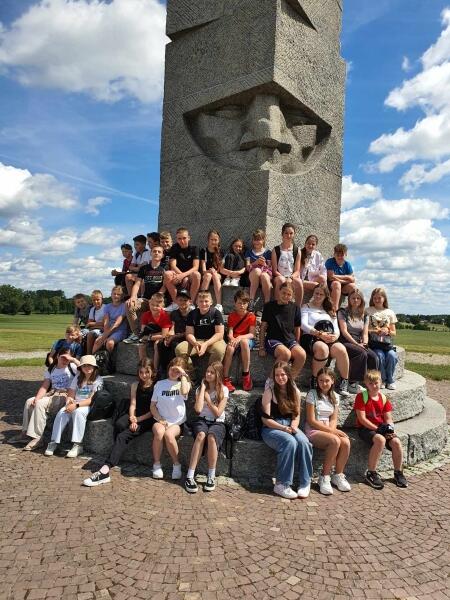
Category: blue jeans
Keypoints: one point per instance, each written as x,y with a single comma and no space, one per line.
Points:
290,449
388,361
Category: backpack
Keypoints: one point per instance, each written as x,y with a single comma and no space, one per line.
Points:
278,252
253,422
102,406
365,396
104,362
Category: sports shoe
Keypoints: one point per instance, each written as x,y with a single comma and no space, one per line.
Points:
176,472
20,438
391,386
285,491
191,486
343,388
325,485
227,281
228,384
400,479
219,308
157,473
340,481
303,492
34,444
251,306
374,480
210,485
97,479
51,449
172,307
313,382
247,383
132,339
75,451
354,387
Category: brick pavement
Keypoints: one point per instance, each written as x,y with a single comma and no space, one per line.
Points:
139,538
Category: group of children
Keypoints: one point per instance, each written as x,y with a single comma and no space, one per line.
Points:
162,296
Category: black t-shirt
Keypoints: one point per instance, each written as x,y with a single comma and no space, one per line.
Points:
179,322
153,279
143,398
233,262
204,325
184,256
208,257
281,320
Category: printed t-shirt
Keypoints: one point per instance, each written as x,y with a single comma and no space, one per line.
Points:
81,315
152,278
169,401
286,261
380,318
184,256
374,409
60,378
244,327
344,269
281,320
126,264
204,325
83,392
163,320
74,348
206,411
114,312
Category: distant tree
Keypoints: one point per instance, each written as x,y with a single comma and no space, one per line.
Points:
421,327
28,306
414,319
54,303
11,299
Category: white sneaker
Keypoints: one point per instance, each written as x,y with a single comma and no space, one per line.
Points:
75,451
285,491
340,481
303,492
51,449
227,281
235,282
172,307
176,472
157,472
325,485
219,308
391,386
132,339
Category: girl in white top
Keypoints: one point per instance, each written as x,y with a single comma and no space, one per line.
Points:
320,332
169,411
210,402
287,266
78,405
312,264
321,430
382,330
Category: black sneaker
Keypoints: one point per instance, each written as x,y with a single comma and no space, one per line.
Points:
190,486
313,382
97,479
210,485
374,480
251,306
400,479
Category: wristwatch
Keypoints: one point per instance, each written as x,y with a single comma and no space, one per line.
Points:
77,405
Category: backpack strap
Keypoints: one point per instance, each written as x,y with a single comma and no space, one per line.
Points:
294,252
278,253
365,397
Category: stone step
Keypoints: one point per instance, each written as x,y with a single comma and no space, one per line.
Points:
127,360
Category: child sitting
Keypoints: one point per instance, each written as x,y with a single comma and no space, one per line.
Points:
233,264
210,402
241,338
286,263
210,262
340,275
155,324
141,257
184,267
81,313
95,320
259,266
70,343
165,240
119,276
114,322
376,428
153,240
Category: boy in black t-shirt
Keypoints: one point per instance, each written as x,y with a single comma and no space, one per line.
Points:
280,330
151,276
183,267
204,331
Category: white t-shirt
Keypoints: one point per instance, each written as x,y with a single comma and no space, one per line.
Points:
314,267
83,392
381,318
61,378
169,401
286,262
97,314
141,259
206,411
324,408
311,316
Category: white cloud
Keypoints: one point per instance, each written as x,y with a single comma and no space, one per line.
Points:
406,64
21,191
98,236
94,203
109,50
418,175
353,193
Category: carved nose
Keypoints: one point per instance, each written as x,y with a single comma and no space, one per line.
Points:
264,125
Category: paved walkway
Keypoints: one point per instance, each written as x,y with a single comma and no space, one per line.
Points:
139,538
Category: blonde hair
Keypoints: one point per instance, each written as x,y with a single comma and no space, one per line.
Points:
359,312
217,367
382,292
372,376
259,234
73,329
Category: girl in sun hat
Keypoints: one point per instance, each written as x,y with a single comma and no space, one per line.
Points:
76,410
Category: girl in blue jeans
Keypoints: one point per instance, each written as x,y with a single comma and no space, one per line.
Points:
382,332
281,417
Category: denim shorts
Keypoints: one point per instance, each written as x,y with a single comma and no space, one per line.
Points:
271,345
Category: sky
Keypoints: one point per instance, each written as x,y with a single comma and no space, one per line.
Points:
80,122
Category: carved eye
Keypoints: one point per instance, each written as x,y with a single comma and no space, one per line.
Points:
231,111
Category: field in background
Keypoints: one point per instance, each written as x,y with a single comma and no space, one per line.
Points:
32,332
429,342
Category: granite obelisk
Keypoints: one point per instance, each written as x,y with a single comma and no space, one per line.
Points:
253,118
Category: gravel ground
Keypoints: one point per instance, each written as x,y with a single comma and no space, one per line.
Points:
429,359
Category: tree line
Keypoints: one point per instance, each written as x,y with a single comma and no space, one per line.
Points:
14,300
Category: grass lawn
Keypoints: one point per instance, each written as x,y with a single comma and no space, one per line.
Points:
436,372
427,342
32,332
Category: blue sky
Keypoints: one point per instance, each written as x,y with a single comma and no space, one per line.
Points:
80,120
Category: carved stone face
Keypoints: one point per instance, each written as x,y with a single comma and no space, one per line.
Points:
260,130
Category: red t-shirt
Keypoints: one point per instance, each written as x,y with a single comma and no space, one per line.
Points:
374,409
244,327
126,264
163,320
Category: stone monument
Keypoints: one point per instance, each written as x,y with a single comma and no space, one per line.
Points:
253,118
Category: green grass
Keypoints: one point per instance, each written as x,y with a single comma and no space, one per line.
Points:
32,332
436,372
22,362
426,342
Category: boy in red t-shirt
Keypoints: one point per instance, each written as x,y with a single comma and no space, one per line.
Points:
376,427
241,338
155,323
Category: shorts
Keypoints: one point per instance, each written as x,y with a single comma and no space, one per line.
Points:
118,335
96,332
214,428
251,345
307,342
271,345
367,435
310,432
